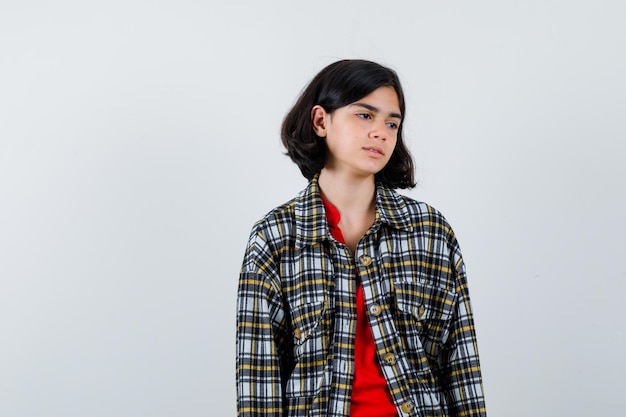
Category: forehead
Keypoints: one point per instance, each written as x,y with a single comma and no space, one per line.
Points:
384,99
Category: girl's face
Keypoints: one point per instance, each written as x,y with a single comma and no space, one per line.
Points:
361,136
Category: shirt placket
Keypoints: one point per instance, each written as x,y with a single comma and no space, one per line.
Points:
393,361
345,328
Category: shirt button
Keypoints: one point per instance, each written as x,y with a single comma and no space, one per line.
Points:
365,260
407,406
421,310
298,333
375,310
390,359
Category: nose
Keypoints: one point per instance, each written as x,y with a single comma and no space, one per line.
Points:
379,131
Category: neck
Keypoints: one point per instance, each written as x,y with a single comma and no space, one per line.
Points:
348,194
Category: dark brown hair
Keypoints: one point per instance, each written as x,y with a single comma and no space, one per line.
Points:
339,84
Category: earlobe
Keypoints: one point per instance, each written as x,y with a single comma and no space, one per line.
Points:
318,120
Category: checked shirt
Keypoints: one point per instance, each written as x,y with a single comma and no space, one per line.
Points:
296,312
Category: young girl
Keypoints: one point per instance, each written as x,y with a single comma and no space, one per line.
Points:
353,299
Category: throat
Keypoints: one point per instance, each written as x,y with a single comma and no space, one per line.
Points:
354,228
351,224
353,200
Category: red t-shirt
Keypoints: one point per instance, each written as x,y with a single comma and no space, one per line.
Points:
370,394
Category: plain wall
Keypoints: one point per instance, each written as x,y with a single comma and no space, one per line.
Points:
139,143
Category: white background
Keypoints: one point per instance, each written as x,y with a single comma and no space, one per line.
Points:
139,143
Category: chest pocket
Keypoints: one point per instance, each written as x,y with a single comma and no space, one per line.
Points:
310,329
423,315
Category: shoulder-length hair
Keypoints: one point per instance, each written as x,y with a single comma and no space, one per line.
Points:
339,84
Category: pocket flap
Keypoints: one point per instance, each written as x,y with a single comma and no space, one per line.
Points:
425,302
306,317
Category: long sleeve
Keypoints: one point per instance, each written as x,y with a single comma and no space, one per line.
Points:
460,354
261,347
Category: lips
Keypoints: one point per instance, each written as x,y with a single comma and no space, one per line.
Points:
374,150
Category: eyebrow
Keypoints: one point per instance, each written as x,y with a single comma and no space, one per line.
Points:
377,110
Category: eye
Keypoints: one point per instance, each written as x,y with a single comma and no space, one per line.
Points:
392,125
364,115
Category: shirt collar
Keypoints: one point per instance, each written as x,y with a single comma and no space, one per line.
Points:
312,226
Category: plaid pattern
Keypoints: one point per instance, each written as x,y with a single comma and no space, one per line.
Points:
296,312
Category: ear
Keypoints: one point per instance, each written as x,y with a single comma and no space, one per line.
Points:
318,120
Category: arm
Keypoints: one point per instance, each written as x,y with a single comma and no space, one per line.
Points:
460,354
260,336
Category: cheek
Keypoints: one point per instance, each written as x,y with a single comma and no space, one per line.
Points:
393,143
